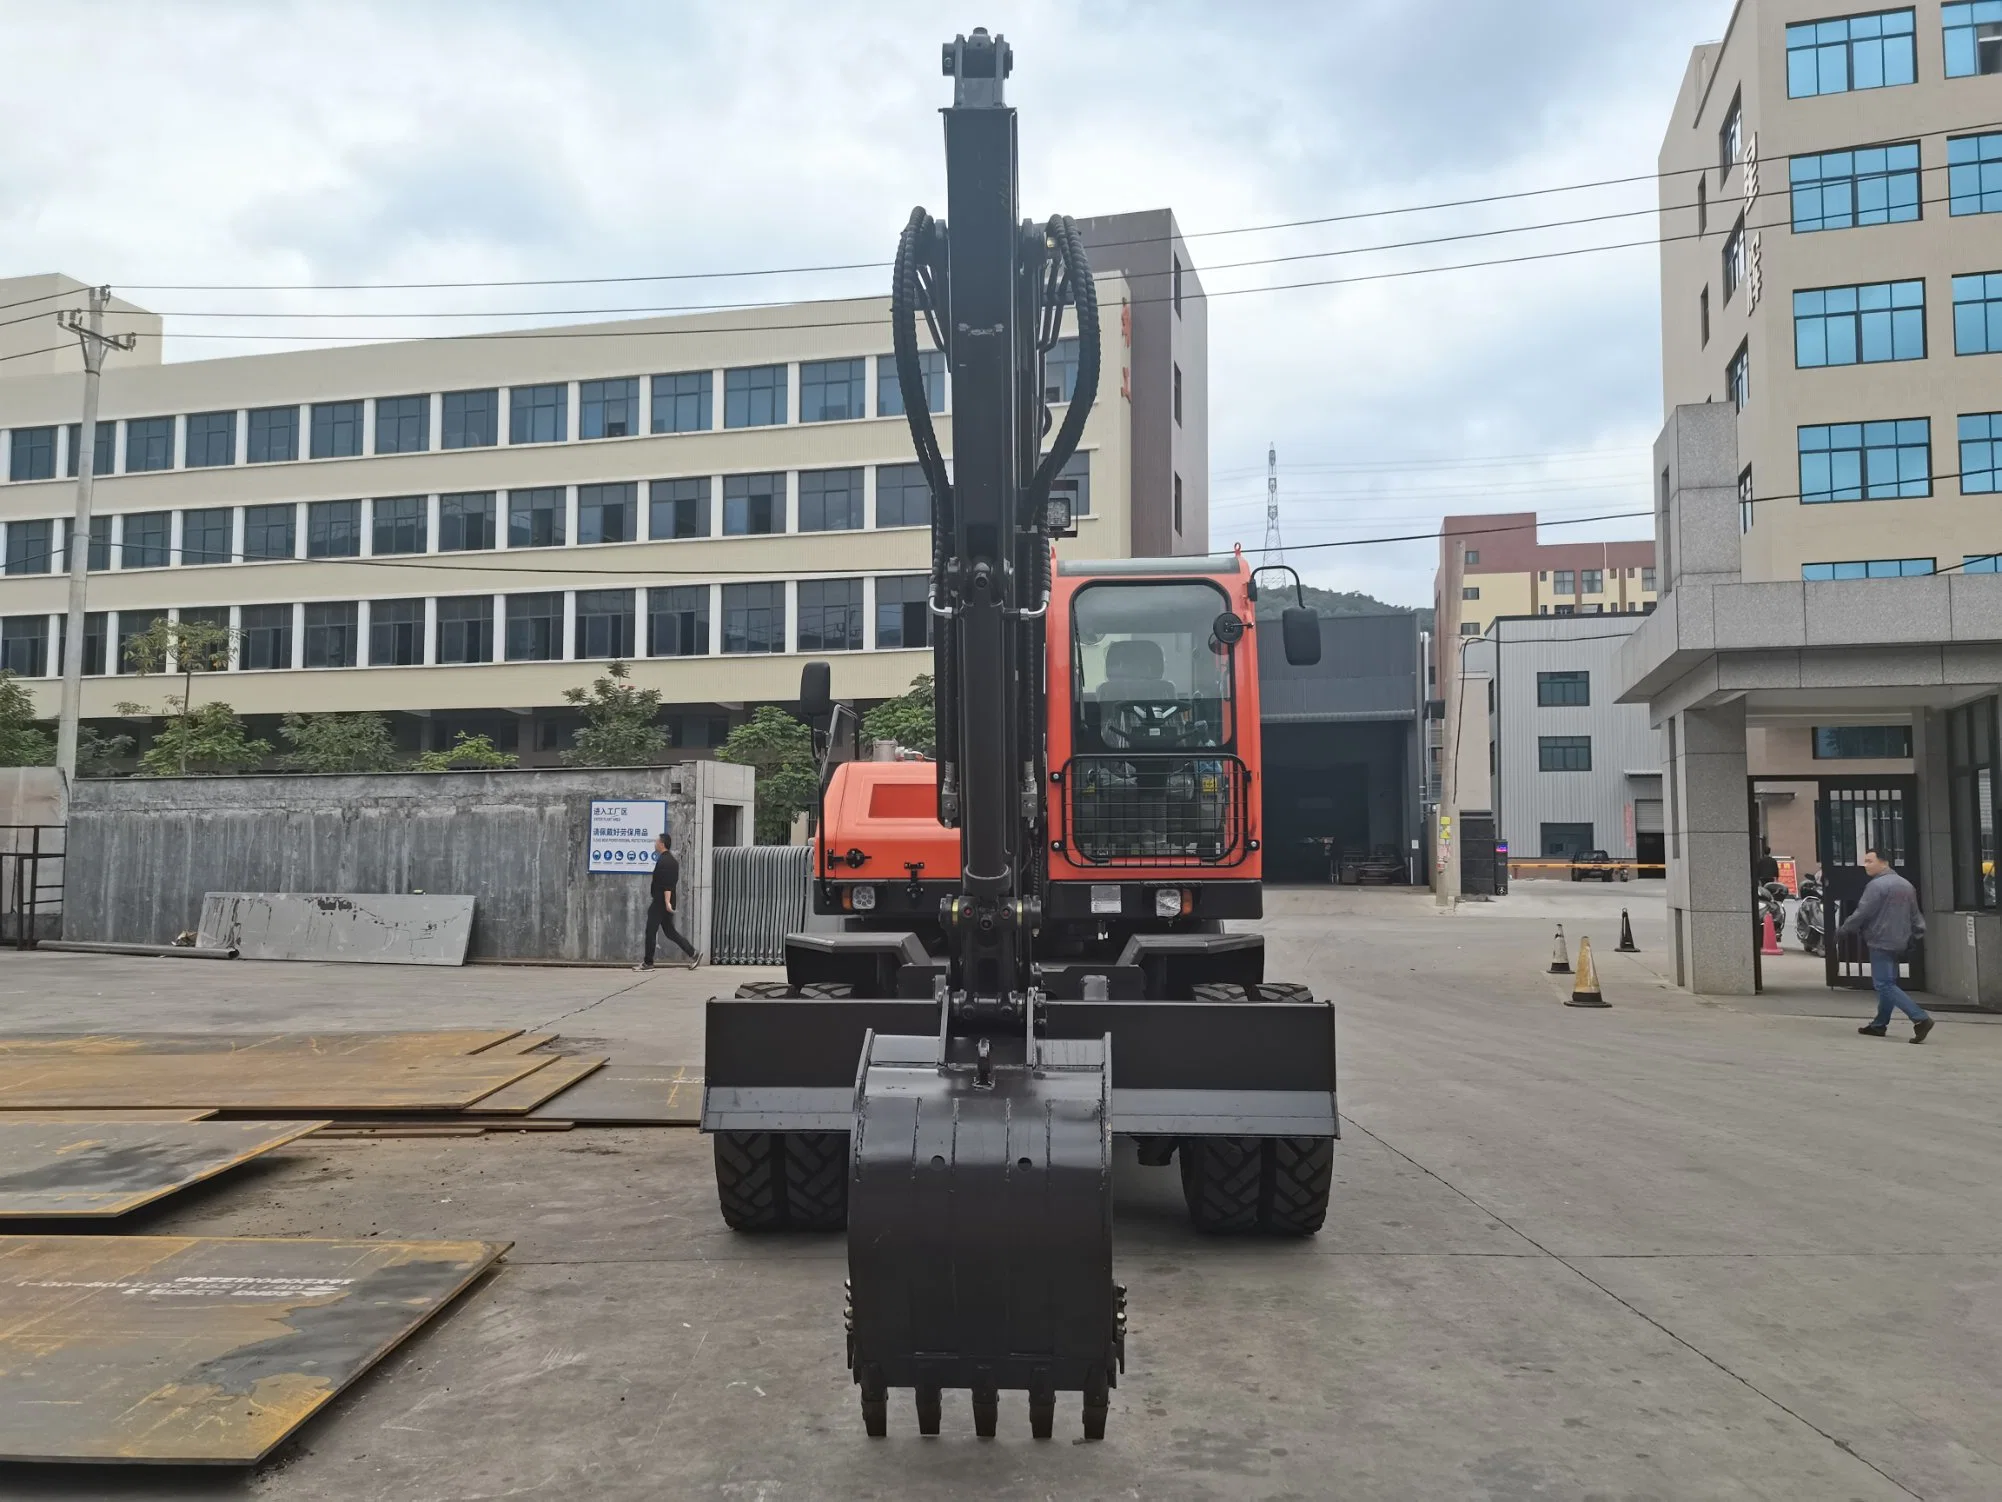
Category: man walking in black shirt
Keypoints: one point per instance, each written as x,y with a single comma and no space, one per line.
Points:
660,906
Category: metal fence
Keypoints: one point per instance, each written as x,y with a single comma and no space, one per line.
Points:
31,883
759,896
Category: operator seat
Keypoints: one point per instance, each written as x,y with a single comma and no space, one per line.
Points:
1134,674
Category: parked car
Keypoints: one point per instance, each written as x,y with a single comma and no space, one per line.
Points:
1596,865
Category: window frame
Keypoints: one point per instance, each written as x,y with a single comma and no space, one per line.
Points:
147,439
702,395
411,427
617,501
815,605
848,374
906,598
606,628
890,392
206,557
597,402
262,519
331,622
154,548
770,604
272,627
1872,191
535,626
1816,45
31,541
1989,319
538,414
528,508
1561,753
749,390
210,430
464,416
692,505
1830,749
1564,688
775,497
1868,487
469,617
459,511
391,622
817,492
334,430
1980,451
333,529
32,445
407,520
1863,311
1978,13
262,425
687,606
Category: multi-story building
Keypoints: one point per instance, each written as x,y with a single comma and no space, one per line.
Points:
1831,275
1508,572
455,531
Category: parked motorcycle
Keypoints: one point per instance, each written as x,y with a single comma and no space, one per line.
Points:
1808,916
1773,895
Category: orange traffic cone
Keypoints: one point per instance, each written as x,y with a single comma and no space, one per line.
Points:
1771,943
1560,959
1585,993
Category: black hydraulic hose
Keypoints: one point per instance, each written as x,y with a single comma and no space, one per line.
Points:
1084,295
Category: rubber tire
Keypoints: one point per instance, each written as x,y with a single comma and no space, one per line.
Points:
782,1181
1275,1186
1224,991
764,990
827,990
1282,990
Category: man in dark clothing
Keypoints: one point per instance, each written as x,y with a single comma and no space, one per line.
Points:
660,906
1888,918
1768,868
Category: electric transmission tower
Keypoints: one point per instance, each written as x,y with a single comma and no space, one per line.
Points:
1275,550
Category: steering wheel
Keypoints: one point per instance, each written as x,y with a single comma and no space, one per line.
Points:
1146,724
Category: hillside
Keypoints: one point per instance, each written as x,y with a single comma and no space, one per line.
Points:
1272,600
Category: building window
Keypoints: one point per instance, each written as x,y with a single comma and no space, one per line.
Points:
1862,742
830,500
1731,136
903,498
395,633
1973,38
1867,568
831,390
1738,376
903,618
1470,591
1971,747
678,621
1471,557
1060,371
205,535
1647,576
466,629
336,430
472,419
273,434
678,508
1074,480
681,402
1591,581
33,456
1981,453
1977,314
1702,206
24,645
133,624
101,449
1974,173
333,529
538,414
211,439
753,505
332,635
93,643
1562,841
535,627
1873,51
402,523
1175,279
1703,315
1864,325
754,617
1859,461
402,424
1564,753
149,444
268,531
466,522
1561,582
1178,396
1747,502
146,538
1848,189
535,519
604,623
1470,628
754,397
265,641
1178,505
1566,689
608,409
830,615
1981,563
608,513
1567,610
890,392
29,545
1734,258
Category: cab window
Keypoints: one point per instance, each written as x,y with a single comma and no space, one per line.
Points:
1147,672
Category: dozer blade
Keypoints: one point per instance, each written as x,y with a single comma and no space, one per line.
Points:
980,1232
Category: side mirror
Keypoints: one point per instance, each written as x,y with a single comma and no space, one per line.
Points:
816,689
1226,631
1301,629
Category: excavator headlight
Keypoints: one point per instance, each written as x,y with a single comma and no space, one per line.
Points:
864,899
1167,902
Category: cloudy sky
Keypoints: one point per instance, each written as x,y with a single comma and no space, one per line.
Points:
156,143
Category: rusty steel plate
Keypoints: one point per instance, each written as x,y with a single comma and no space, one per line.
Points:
415,1044
519,1043
630,1095
292,1083
183,1350
524,1095
167,1113
58,1170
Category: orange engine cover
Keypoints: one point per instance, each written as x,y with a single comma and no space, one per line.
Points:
888,811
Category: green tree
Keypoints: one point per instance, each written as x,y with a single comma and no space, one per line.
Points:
188,648
23,743
338,743
97,754
467,753
910,719
780,749
210,738
619,729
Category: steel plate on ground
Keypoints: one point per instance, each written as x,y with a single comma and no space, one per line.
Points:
524,1095
630,1095
103,1168
105,1113
331,1045
291,1083
200,1351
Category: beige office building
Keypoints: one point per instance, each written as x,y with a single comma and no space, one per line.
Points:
456,531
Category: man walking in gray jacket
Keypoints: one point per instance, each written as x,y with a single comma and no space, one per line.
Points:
1888,918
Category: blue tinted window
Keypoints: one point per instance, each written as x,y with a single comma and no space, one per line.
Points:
538,414
678,508
1866,325
400,524
211,439
535,518
1973,38
336,430
831,390
903,496
333,529
472,419
830,500
149,444
1977,314
205,535
608,513
754,397
101,447
1872,51
890,393
274,435
1844,189
33,456
1859,461
29,544
535,628
754,618
1981,563
1060,371
1867,568
608,409
268,531
1981,453
402,424
145,540
1974,172
1564,753
681,402
753,504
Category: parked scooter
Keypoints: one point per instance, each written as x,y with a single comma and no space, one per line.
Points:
1808,916
1774,896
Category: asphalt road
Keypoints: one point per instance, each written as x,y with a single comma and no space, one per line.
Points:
1676,1249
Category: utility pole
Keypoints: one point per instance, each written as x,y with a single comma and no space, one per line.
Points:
1449,662
1275,551
89,330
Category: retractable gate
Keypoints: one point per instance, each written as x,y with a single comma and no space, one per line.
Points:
1852,815
758,897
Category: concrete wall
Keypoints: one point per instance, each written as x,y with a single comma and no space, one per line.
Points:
143,852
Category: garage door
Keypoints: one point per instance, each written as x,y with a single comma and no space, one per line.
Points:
1647,816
